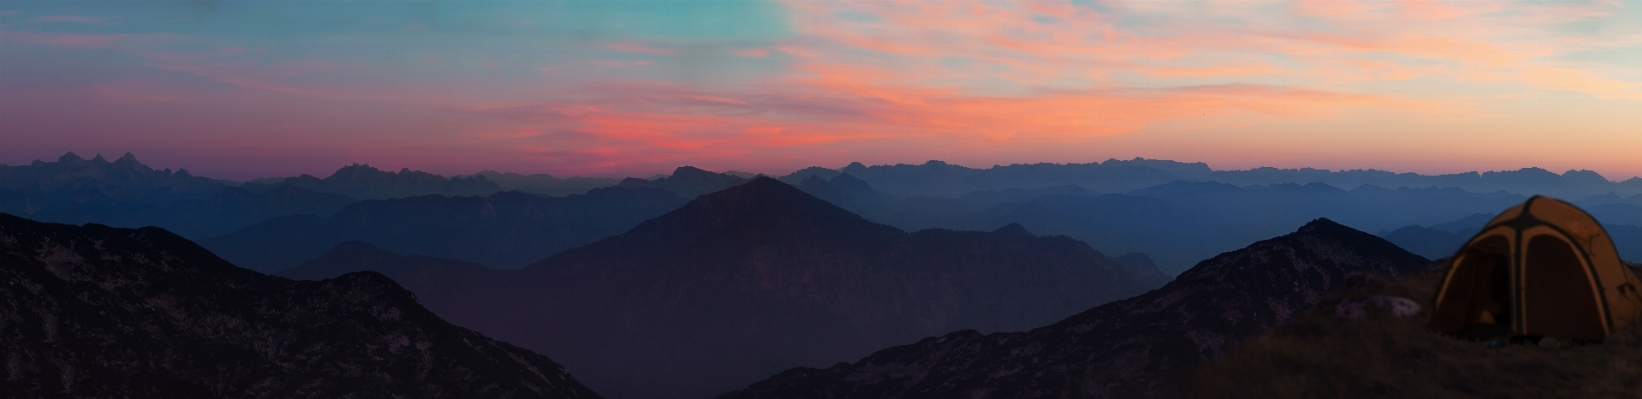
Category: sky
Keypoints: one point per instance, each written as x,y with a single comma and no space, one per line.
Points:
248,89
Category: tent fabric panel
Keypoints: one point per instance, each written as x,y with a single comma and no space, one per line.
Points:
1478,281
1511,213
1618,285
1558,298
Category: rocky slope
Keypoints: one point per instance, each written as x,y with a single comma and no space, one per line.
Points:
1122,349
94,311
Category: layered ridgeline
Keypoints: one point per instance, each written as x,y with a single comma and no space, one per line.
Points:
365,182
687,181
1178,223
96,311
546,184
127,193
940,179
505,230
1121,349
1619,216
751,280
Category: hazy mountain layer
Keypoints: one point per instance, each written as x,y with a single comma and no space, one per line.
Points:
545,184
754,279
1122,349
365,182
95,311
1178,223
687,181
505,230
126,193
940,179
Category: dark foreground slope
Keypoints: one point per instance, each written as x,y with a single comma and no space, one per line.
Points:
95,311
1383,356
1121,349
758,278
506,230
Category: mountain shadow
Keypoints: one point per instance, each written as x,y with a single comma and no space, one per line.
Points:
761,277
94,311
505,230
1121,349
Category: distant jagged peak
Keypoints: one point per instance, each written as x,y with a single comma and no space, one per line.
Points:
70,157
127,159
355,170
99,159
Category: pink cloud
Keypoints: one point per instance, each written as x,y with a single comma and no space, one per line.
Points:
752,53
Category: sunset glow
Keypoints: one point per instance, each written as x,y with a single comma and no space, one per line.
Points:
242,90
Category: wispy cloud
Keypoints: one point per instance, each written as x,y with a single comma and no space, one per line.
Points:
73,19
823,83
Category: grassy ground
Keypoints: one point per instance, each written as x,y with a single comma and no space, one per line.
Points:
1320,356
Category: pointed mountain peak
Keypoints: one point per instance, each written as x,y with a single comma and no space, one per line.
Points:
1321,223
1014,229
99,159
766,195
127,158
70,157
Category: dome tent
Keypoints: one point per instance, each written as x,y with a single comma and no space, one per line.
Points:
1540,269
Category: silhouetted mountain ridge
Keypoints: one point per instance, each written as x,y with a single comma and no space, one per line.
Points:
687,181
366,182
1121,349
760,277
95,311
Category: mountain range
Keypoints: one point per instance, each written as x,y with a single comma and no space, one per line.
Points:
941,179
1127,348
1177,223
95,311
755,278
505,230
365,182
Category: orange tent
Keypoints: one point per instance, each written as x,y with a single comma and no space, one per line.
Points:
1540,269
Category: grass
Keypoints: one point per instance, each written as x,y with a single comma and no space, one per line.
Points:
1320,356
